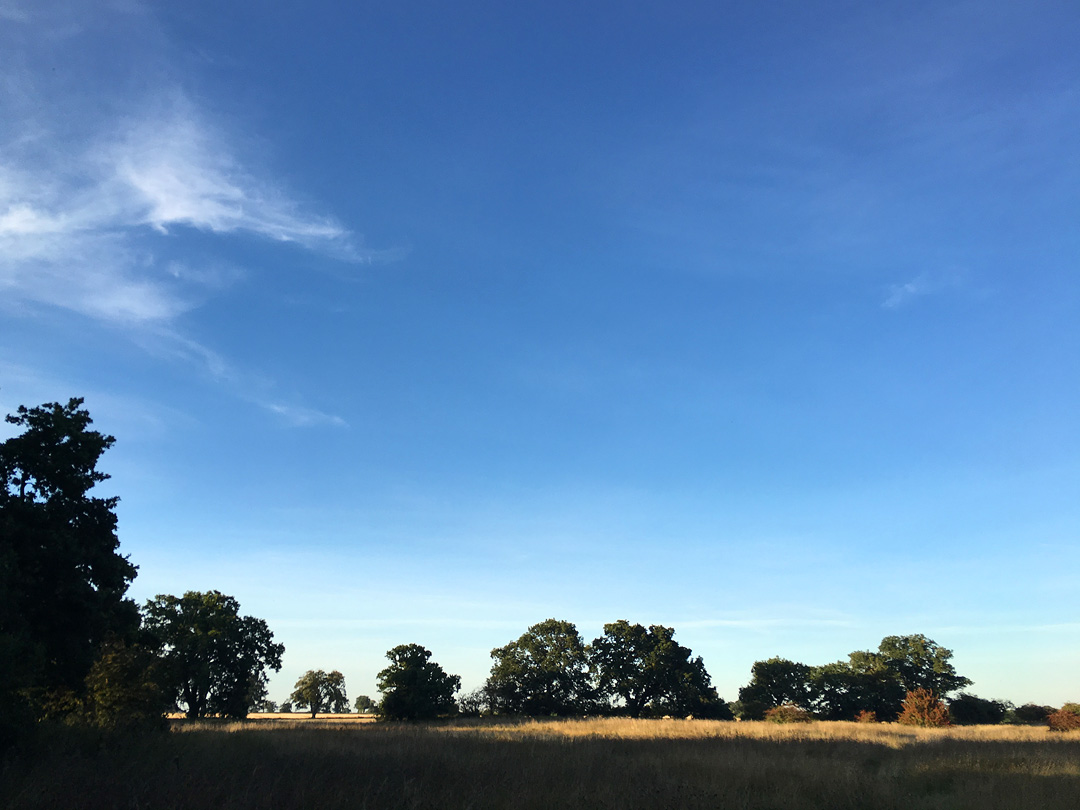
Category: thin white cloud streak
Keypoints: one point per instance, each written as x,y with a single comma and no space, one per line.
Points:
75,235
902,294
922,286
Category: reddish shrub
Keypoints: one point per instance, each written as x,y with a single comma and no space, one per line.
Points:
787,713
1063,720
866,717
922,708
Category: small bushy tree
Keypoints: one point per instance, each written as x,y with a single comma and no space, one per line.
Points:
414,687
364,704
787,713
1067,718
124,689
923,708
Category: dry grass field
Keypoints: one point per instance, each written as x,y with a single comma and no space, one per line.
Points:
348,762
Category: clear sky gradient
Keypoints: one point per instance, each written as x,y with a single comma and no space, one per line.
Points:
425,322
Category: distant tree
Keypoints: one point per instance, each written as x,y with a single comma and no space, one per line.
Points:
923,708
364,704
873,687
286,708
62,580
640,668
969,710
544,672
269,706
216,659
775,682
1031,714
414,687
321,692
474,703
921,663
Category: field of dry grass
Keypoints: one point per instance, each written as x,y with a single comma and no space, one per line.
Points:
596,763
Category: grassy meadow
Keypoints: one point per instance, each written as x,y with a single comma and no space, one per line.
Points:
289,762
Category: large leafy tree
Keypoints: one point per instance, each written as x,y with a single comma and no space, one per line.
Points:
546,671
62,580
921,663
641,668
216,658
321,692
774,682
414,687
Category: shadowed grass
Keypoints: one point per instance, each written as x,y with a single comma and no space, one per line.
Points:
600,763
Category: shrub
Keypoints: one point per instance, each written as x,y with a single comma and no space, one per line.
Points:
123,689
969,710
787,713
1063,720
922,708
866,717
1031,714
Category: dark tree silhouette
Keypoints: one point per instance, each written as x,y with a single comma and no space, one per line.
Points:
216,659
544,672
321,692
62,580
643,668
414,687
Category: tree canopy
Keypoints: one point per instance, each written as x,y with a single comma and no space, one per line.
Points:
546,671
641,668
62,580
321,692
868,681
414,687
216,659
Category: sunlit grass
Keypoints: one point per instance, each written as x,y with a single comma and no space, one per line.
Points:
348,761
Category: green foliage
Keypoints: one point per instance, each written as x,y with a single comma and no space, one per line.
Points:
641,669
216,659
969,710
62,582
321,692
544,672
286,708
1030,714
921,663
875,687
364,704
414,687
787,713
923,708
775,682
124,690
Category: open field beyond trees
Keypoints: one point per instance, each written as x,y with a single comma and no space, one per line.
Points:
594,763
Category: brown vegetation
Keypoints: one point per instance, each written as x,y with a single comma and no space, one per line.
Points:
922,708
595,763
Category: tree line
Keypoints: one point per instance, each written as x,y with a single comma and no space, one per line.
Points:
74,647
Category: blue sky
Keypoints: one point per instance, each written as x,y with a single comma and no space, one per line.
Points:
424,322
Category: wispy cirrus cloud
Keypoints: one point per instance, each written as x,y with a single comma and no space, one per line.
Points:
86,233
922,286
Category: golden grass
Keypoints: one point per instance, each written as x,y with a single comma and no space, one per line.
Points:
489,763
